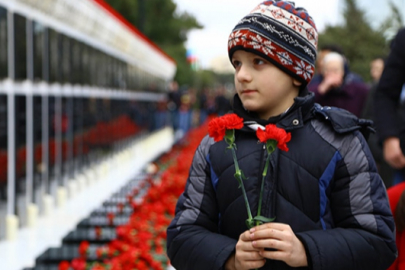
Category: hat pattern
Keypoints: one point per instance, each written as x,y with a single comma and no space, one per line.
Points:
280,33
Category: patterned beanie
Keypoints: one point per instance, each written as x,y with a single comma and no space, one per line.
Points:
284,35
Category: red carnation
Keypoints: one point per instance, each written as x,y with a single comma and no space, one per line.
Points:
100,252
84,248
64,265
110,218
120,206
79,264
98,267
272,132
98,231
218,126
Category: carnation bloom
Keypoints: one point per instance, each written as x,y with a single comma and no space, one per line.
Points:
64,265
84,248
218,126
272,132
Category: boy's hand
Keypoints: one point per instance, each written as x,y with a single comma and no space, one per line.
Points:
283,242
246,256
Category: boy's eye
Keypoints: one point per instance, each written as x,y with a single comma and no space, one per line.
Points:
236,63
258,61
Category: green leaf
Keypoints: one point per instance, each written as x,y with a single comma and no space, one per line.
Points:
243,176
238,177
263,219
250,223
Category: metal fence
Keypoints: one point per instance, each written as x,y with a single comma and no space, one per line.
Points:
65,104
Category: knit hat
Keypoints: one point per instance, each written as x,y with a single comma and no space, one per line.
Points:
284,35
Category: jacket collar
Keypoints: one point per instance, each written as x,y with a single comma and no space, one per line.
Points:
293,118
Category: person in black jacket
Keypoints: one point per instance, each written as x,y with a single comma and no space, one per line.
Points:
389,115
329,203
385,170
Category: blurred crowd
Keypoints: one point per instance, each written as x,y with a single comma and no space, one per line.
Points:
189,107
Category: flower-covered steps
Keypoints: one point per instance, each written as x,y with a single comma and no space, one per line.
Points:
128,231
94,231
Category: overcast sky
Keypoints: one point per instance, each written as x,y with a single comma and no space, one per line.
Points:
220,16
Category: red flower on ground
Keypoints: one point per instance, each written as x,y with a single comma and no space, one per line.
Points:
98,231
101,251
110,217
64,265
129,198
79,264
120,207
84,248
218,126
140,243
272,132
98,267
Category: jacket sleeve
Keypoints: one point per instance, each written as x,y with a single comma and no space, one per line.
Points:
389,89
362,236
193,241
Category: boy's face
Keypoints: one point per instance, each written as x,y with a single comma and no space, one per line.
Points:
262,87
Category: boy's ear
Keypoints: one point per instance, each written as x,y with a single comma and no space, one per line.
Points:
297,82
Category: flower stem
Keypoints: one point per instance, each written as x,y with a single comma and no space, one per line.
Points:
238,175
246,202
266,167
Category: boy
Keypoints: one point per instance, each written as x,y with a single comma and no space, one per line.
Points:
328,201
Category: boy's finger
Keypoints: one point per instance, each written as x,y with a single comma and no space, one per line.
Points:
267,234
271,225
246,236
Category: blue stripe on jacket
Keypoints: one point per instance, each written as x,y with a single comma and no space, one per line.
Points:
214,176
324,182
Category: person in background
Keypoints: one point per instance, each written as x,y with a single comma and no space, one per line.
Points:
336,90
328,48
385,170
376,69
203,104
389,112
185,113
222,103
174,103
324,50
330,205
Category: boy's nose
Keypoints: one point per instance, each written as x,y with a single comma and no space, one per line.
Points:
243,74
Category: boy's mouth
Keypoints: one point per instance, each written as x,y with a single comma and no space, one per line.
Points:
248,91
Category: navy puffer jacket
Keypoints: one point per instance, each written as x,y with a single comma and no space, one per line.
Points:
326,187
